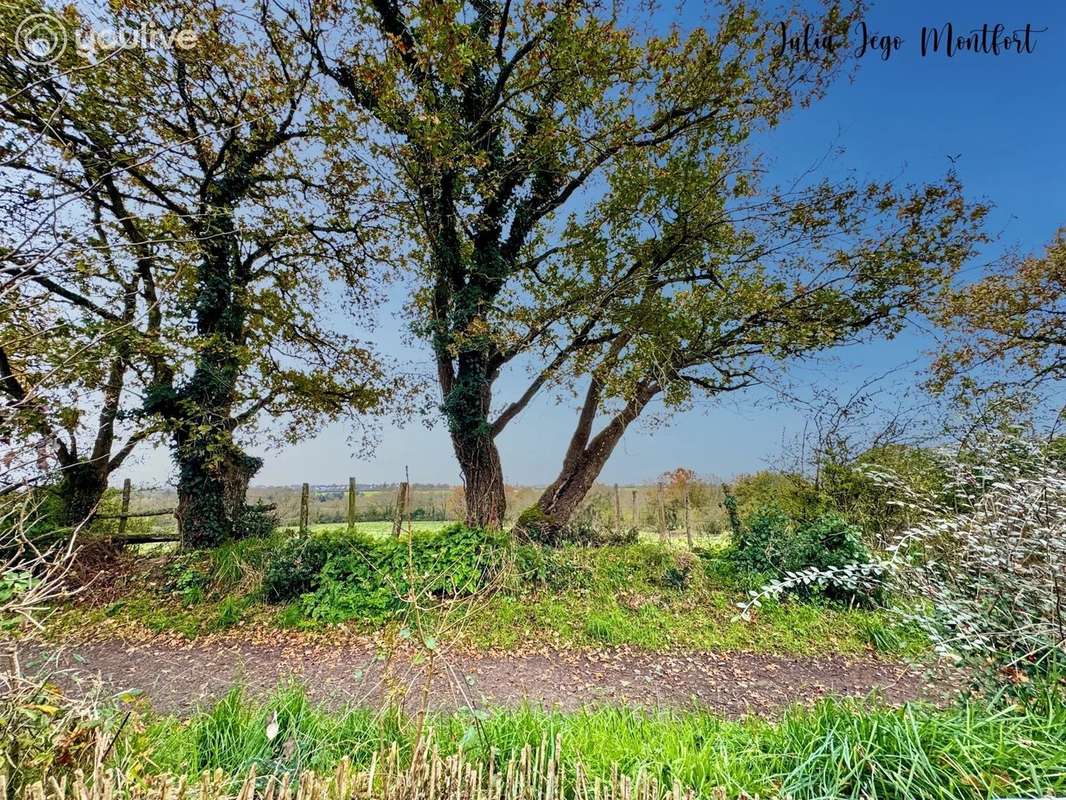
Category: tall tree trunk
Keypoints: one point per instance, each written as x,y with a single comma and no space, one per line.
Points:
479,460
587,455
213,479
213,471
82,486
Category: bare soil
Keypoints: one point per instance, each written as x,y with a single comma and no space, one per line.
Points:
177,676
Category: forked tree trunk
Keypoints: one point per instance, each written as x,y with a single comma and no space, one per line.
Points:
587,455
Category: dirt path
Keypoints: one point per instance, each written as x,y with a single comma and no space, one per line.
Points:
177,677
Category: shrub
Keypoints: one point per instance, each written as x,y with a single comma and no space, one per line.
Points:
763,539
257,521
982,571
588,528
794,494
711,527
770,543
988,562
350,586
297,563
553,569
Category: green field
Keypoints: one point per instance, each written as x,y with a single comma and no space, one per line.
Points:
376,528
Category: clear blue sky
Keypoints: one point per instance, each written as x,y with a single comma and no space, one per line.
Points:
1002,117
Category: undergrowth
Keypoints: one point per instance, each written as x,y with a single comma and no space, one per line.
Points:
647,595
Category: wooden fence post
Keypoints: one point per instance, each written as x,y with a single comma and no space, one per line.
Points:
662,513
305,501
351,505
401,505
617,508
125,506
636,522
688,527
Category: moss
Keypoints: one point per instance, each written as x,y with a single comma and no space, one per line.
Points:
533,525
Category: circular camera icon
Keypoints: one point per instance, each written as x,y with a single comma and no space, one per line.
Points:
41,39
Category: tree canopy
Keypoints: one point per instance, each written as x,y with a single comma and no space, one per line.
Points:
588,196
1006,332
517,133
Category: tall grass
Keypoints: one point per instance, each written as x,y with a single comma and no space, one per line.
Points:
835,750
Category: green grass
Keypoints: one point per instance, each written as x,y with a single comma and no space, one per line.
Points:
656,598
834,750
579,619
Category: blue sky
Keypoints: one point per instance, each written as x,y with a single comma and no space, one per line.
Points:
1003,119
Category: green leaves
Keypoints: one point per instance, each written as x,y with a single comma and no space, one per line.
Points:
339,577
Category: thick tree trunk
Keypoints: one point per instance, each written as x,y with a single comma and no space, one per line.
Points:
82,486
213,481
561,499
587,455
483,479
213,472
467,394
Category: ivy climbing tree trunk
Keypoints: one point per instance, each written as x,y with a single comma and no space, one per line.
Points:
479,461
467,401
213,471
213,479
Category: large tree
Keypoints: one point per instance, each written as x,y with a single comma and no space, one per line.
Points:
65,359
707,294
500,123
211,177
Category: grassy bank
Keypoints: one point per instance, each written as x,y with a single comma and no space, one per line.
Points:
649,595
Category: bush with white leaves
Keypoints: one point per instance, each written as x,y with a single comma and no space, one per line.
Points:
984,569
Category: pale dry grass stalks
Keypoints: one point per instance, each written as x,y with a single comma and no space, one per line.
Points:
34,714
534,773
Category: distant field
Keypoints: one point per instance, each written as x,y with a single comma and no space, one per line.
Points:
381,528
